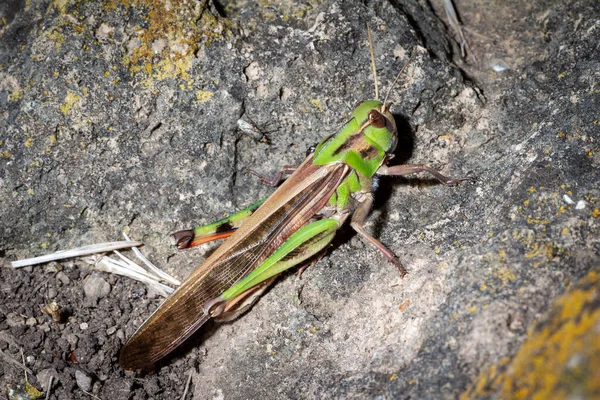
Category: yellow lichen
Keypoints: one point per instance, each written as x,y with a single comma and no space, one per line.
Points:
203,96
531,220
57,37
174,31
16,95
71,100
60,5
541,249
28,142
559,359
316,103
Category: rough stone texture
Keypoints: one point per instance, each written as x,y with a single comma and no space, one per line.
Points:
122,115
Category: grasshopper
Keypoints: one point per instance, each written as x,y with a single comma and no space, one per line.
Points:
298,221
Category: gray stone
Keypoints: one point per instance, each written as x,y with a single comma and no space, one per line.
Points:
84,381
14,319
96,287
43,378
61,276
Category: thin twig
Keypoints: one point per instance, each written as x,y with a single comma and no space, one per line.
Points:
14,362
24,365
453,21
187,385
90,394
49,386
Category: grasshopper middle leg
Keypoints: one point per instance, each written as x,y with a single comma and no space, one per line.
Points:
358,224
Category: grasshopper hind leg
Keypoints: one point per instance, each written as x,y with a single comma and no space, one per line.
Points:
239,305
301,246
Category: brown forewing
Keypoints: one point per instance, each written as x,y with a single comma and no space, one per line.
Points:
302,195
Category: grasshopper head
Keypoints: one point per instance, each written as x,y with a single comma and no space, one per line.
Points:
378,124
364,142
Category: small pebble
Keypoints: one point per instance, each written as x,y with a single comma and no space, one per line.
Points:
83,326
44,375
83,381
111,330
96,287
52,293
568,199
52,267
14,319
61,276
72,339
31,321
580,205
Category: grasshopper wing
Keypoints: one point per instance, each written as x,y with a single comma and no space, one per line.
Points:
297,200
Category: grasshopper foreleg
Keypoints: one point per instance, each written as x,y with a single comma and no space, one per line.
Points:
278,178
407,169
357,223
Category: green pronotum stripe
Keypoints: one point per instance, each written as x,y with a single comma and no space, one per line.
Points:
266,270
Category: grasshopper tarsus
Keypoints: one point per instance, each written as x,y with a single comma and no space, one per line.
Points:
183,239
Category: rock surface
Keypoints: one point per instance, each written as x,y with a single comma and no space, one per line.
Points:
122,115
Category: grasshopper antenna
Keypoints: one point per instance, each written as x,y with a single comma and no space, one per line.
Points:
373,61
398,76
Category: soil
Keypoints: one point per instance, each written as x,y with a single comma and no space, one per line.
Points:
121,116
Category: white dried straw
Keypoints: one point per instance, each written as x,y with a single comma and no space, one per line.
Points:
76,252
159,272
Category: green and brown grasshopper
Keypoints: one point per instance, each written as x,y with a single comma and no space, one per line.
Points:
299,220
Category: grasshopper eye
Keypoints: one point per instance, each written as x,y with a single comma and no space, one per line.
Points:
376,119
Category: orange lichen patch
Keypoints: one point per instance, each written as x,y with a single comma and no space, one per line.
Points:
541,249
559,359
404,306
535,221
